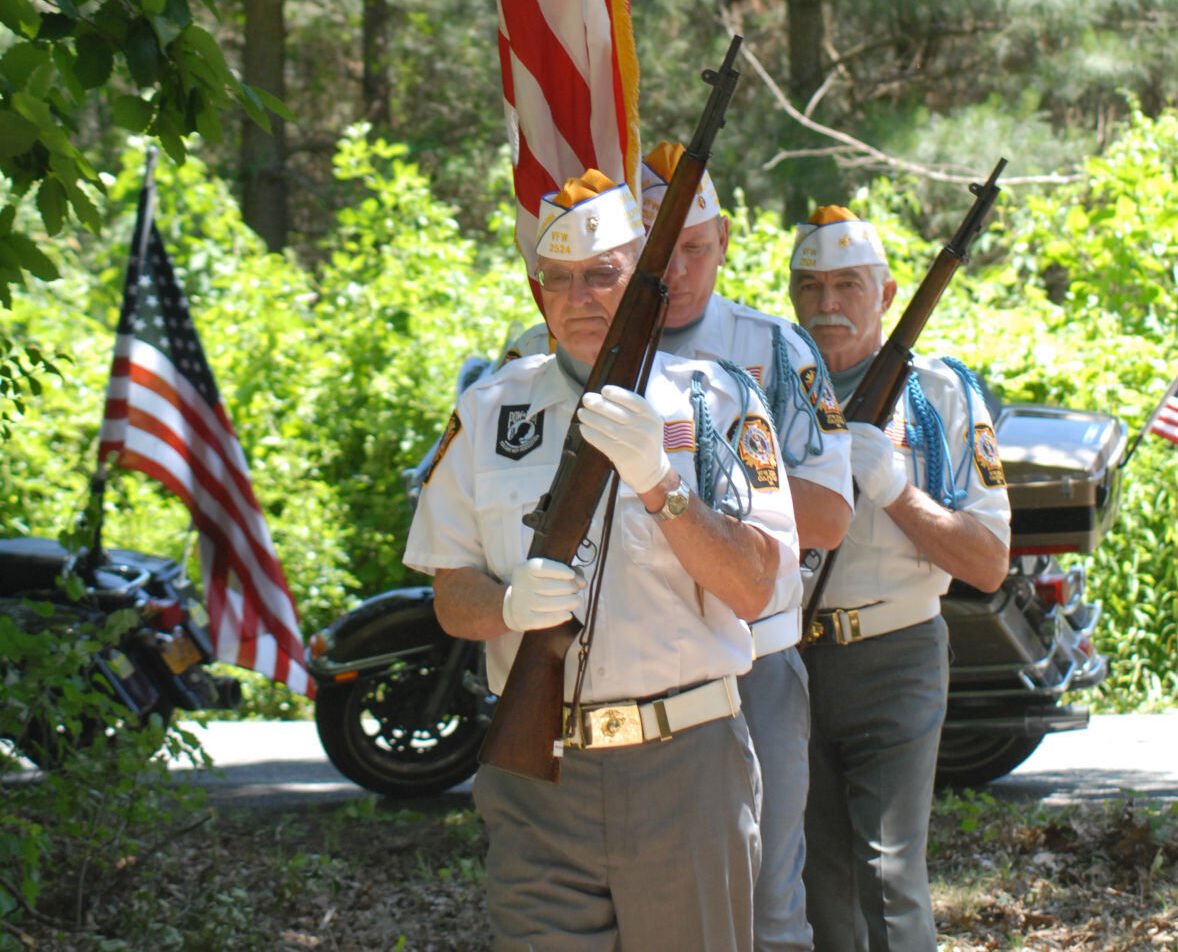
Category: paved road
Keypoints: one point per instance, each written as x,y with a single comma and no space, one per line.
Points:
282,764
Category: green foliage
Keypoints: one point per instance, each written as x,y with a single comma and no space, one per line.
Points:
261,699
150,65
21,369
108,801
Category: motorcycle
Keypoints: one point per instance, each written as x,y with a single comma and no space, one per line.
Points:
158,663
1017,652
402,708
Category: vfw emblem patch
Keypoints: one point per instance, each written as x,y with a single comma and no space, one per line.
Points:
517,434
986,457
756,452
826,405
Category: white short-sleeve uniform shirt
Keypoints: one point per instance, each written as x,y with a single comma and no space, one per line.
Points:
878,562
654,630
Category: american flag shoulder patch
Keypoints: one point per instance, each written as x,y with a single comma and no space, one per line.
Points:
897,429
679,435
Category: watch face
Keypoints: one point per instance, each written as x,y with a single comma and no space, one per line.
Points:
676,503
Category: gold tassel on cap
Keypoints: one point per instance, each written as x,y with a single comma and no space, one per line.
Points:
825,214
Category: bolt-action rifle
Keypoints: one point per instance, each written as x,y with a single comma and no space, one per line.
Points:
875,398
526,731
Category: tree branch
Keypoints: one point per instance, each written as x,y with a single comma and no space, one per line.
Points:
861,153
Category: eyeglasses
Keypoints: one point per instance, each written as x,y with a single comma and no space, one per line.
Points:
559,280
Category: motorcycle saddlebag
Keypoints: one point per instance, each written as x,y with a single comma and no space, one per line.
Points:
1061,475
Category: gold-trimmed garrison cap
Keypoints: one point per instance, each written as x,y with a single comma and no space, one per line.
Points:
835,237
657,168
589,215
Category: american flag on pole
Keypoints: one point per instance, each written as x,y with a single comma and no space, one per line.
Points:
1164,421
164,418
570,93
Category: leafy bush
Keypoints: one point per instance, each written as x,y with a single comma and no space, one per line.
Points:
94,819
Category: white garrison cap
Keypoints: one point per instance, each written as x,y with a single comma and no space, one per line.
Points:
588,216
657,168
834,238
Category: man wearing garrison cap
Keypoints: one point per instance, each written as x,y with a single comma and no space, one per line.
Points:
816,448
931,506
650,840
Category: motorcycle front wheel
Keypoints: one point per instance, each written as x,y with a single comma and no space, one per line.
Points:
376,733
974,758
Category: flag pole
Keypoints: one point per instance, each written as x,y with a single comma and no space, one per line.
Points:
1170,391
139,239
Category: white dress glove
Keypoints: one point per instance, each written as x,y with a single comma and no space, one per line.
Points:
542,593
878,471
629,431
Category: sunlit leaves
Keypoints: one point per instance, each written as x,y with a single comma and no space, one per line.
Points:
65,61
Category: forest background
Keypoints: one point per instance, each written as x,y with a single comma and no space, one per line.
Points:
342,264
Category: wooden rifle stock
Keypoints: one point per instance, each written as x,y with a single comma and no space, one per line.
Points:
875,398
527,727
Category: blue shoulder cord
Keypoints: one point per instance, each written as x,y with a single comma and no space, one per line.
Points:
927,437
789,404
708,468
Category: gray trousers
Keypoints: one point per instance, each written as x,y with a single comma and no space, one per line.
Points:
638,848
776,702
877,706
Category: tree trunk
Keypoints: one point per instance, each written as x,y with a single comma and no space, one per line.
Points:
263,154
807,36
377,88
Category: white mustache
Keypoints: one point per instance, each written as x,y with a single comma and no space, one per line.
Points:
832,320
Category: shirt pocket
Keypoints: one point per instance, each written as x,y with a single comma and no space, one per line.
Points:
641,537
501,500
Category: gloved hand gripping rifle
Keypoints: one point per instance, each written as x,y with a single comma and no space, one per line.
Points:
526,730
875,398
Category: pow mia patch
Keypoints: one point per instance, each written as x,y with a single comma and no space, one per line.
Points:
517,434
453,425
826,405
985,456
755,449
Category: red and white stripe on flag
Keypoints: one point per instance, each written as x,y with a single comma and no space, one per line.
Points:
164,418
570,93
1165,422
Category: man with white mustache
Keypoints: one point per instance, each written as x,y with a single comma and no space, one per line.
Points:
931,506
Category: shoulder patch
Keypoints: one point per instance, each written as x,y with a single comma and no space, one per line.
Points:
756,452
510,355
985,456
679,435
453,426
826,405
757,372
517,434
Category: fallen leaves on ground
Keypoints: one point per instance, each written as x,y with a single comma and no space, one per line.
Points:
375,875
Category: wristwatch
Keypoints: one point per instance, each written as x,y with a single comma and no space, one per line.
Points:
675,504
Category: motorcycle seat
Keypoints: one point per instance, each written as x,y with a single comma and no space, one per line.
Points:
30,564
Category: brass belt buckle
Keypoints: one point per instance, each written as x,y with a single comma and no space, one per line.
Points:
614,725
846,626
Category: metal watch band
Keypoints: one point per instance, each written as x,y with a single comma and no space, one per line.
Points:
675,504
